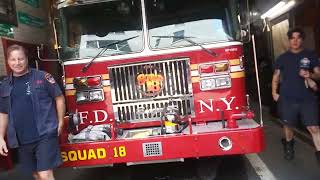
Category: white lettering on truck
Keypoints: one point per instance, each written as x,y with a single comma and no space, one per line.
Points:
209,105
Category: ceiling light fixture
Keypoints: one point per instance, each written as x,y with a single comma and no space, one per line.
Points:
279,9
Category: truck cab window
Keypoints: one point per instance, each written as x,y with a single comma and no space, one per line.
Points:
203,21
88,28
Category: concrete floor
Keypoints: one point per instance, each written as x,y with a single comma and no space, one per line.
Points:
303,167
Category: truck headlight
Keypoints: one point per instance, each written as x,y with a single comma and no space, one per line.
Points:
82,96
208,84
223,82
212,83
96,95
90,96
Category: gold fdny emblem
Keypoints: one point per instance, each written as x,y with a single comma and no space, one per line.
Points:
149,81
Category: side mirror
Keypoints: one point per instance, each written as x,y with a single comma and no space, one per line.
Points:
244,18
39,50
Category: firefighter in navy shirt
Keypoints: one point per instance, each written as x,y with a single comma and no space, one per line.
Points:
4,104
3,119
35,115
296,99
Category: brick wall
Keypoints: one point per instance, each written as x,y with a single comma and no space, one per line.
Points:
27,33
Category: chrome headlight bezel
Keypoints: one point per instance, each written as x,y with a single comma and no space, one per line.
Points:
92,95
217,82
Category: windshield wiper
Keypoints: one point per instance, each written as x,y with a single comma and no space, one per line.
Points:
86,67
186,38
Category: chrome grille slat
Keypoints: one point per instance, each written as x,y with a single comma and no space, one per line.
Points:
124,84
134,69
170,79
185,80
179,77
127,77
174,81
182,78
165,89
127,98
120,85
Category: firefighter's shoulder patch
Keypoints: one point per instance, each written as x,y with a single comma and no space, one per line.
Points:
49,78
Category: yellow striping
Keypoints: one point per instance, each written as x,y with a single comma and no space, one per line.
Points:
73,92
106,89
105,76
234,62
195,79
69,80
70,92
238,74
194,66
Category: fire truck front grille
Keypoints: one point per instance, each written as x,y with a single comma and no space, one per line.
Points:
152,149
141,91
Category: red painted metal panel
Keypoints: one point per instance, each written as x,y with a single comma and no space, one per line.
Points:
237,90
173,146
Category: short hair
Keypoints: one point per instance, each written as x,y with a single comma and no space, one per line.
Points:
16,47
296,30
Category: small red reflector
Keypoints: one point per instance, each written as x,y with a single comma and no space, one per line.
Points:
94,81
206,69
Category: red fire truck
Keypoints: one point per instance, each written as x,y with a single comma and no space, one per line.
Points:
150,81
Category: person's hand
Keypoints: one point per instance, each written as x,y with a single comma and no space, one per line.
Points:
312,84
304,73
3,147
60,128
275,97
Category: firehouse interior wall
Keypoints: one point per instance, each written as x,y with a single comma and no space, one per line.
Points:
279,36
32,26
307,16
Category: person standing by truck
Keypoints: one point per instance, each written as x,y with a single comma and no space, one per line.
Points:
36,110
298,69
4,103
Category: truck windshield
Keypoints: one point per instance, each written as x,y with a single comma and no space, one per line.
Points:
86,29
204,21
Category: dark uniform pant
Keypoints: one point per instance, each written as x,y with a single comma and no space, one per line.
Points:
292,112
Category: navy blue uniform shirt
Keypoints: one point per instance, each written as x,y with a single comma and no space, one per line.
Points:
4,105
21,106
43,89
292,87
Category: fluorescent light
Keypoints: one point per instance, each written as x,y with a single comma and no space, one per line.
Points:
273,10
279,9
283,10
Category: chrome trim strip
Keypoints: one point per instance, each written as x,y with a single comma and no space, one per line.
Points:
69,87
236,68
106,82
94,166
154,162
195,73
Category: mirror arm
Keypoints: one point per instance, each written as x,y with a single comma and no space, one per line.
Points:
40,48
